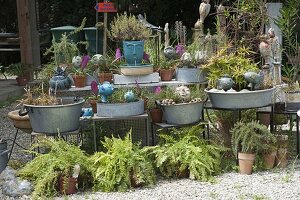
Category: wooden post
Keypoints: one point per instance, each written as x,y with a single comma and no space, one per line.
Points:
104,32
29,36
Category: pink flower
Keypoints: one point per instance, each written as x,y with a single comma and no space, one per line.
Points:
179,50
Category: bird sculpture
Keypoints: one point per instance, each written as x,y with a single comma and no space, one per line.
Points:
145,23
129,96
265,49
204,9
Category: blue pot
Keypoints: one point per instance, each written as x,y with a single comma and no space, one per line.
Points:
133,52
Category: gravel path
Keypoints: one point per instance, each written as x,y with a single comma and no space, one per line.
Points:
275,184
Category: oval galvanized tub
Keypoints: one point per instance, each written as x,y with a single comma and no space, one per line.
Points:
120,109
52,119
191,75
238,100
184,113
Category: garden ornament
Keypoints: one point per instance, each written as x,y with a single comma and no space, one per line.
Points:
183,91
252,78
224,83
275,46
265,49
186,59
204,9
129,96
201,56
145,23
167,36
170,53
60,80
106,89
98,59
87,113
76,61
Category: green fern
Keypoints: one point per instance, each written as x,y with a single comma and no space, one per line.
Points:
184,153
251,137
45,169
121,167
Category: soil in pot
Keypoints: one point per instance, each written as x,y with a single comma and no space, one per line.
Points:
269,160
79,80
105,77
67,185
166,74
156,115
282,157
246,161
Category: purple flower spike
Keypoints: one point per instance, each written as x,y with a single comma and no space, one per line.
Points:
94,87
118,54
85,60
179,50
146,57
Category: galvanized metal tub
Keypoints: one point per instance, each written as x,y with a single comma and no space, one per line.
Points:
191,75
120,109
184,113
242,99
52,119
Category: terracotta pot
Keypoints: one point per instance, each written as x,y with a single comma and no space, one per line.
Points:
105,77
79,80
166,74
20,122
156,115
269,160
145,103
21,81
246,161
67,186
282,157
93,103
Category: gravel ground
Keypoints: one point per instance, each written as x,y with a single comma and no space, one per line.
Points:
274,184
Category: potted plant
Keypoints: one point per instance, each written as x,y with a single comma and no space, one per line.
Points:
119,102
94,98
190,67
132,33
121,167
62,161
63,112
106,65
166,68
247,139
19,70
184,105
228,78
183,154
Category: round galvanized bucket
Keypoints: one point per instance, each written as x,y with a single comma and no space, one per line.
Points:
52,119
184,113
238,100
191,75
120,109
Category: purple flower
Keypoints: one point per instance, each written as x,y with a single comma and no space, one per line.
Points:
157,89
85,60
146,57
118,54
179,50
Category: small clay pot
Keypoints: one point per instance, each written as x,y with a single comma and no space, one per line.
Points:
79,80
166,74
246,161
21,81
93,103
67,186
105,77
156,115
269,159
